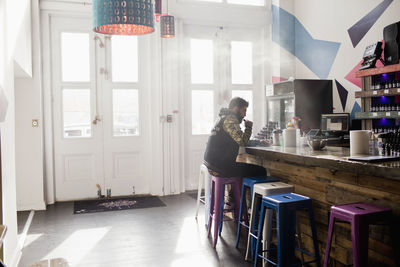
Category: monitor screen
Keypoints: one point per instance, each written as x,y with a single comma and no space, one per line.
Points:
335,122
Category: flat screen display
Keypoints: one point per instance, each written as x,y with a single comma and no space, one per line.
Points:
335,122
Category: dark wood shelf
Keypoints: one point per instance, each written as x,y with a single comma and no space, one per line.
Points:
378,115
380,92
376,71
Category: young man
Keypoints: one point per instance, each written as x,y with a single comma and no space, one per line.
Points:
223,144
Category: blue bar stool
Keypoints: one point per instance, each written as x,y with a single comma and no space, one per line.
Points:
285,206
260,190
249,183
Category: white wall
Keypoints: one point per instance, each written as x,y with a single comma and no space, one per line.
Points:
29,143
19,36
14,38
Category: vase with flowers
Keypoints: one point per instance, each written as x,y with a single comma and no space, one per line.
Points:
297,122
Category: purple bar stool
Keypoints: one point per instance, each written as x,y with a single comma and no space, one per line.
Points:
359,215
217,200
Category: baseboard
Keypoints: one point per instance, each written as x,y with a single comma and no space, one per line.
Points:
35,206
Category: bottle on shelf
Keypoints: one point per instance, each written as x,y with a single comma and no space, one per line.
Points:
372,144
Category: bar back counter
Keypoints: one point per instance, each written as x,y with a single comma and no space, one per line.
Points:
329,178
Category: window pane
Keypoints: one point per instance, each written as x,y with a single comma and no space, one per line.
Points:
124,58
202,111
75,57
76,113
242,63
201,55
248,96
126,112
247,2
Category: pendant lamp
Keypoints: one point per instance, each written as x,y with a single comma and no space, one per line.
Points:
158,8
167,26
123,17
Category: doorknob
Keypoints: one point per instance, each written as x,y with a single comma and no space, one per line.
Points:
96,119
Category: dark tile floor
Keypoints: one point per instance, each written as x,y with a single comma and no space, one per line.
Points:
164,236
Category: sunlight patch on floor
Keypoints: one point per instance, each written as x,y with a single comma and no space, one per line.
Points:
31,238
189,238
78,245
194,261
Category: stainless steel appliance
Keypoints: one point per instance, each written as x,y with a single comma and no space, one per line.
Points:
304,98
335,128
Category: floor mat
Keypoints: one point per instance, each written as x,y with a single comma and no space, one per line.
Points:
112,204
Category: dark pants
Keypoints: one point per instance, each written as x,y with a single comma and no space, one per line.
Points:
243,170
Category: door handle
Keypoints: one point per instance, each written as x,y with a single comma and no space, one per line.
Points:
167,119
105,72
96,119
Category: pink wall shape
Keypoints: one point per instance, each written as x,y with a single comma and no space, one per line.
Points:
276,79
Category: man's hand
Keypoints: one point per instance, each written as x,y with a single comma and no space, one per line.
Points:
248,124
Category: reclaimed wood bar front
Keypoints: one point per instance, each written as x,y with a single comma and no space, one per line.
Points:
329,178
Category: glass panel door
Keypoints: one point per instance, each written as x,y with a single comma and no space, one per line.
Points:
221,65
78,154
102,128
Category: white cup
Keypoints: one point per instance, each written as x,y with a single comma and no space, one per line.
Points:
359,142
289,137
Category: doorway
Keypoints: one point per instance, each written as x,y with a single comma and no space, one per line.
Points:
101,95
220,63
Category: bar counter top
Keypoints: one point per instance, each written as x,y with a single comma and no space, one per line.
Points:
332,158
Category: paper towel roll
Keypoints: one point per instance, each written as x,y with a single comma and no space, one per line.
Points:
359,142
289,137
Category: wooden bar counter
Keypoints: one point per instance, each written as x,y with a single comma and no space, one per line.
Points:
329,178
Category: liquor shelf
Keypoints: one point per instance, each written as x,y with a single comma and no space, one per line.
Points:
375,93
378,115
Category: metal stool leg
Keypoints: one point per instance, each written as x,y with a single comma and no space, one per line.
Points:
200,187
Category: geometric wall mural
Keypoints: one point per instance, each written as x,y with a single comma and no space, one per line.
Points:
360,29
351,76
342,94
290,34
356,108
276,79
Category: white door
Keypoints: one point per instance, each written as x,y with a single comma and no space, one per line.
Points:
100,112
221,63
